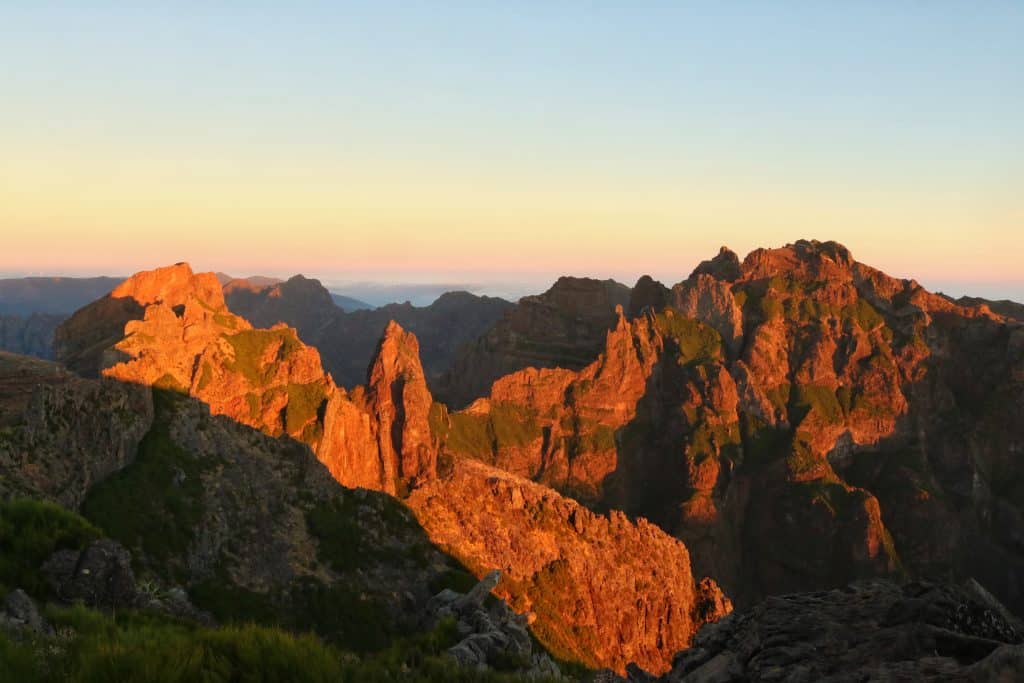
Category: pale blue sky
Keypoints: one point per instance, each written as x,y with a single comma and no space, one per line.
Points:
426,140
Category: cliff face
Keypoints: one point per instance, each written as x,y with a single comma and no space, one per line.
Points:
797,395
60,435
347,340
563,327
181,336
384,437
399,403
252,526
601,589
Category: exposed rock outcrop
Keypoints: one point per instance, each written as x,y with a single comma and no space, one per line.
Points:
252,525
563,327
20,615
491,634
180,335
875,631
399,403
795,395
187,341
604,590
60,435
99,576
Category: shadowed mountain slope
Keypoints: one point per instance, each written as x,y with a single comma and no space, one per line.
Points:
799,419
563,327
346,339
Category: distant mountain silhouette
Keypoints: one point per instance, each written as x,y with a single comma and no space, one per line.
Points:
28,295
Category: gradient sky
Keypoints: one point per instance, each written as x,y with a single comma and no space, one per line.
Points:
511,142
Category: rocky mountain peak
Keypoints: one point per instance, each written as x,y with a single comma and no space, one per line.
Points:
585,296
804,259
724,266
399,401
171,296
171,285
647,293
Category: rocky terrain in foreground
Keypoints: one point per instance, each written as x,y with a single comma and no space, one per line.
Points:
869,631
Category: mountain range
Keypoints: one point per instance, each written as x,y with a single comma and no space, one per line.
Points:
789,466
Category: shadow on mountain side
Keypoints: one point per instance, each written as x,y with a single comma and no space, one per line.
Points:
937,493
253,527
346,338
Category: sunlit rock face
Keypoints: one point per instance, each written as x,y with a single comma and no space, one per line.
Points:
796,418
553,552
601,589
177,333
800,419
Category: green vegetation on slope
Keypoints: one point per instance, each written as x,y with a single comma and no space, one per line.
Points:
252,345
146,648
821,399
572,644
31,531
339,612
505,426
153,504
697,342
304,401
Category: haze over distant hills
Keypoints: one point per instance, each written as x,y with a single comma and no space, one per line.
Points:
28,295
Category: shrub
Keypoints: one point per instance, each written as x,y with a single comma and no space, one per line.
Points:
205,376
30,531
779,397
761,443
21,661
437,419
458,580
141,647
147,648
481,436
335,524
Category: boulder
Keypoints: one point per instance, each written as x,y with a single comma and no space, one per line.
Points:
19,613
99,576
491,634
